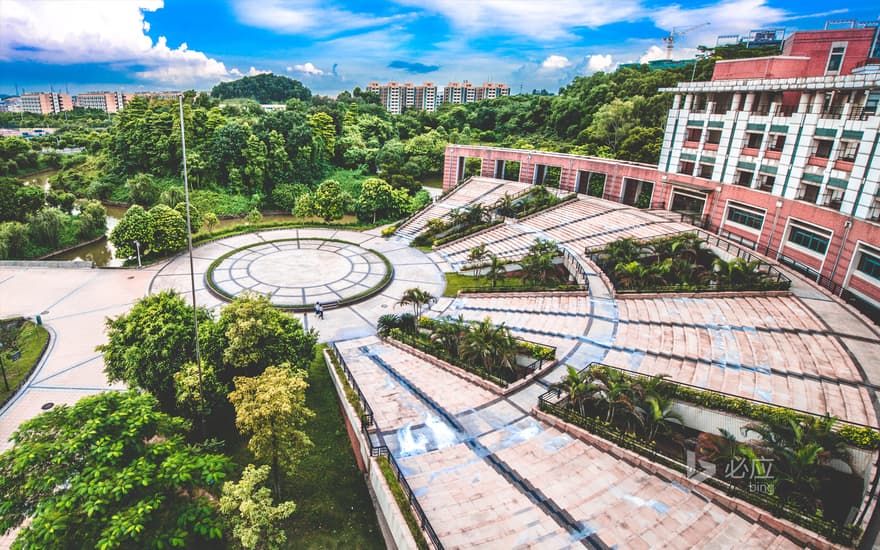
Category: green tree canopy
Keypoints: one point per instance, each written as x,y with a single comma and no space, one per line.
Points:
109,472
263,88
169,229
135,225
254,518
251,335
148,345
271,409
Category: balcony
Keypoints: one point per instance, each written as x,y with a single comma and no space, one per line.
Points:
691,144
817,161
750,151
773,154
844,165
710,146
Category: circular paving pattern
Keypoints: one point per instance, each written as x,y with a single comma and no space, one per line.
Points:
296,273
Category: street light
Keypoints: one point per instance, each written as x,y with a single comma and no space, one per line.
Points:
137,245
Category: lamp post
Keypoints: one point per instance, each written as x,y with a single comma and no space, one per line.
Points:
137,245
192,275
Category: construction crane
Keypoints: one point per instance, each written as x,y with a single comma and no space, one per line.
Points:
670,40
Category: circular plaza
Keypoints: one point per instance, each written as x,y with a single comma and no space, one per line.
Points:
297,273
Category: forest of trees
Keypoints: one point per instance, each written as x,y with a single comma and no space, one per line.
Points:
263,88
314,157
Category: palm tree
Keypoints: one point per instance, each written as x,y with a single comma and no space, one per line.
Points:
496,270
475,214
798,457
621,251
386,323
737,272
449,335
418,299
615,391
636,275
489,347
505,205
476,255
579,388
657,415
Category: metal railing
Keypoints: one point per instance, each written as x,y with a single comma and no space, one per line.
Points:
575,266
369,426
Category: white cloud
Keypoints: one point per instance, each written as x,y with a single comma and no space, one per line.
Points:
555,62
253,71
307,68
528,18
654,53
99,32
599,62
310,17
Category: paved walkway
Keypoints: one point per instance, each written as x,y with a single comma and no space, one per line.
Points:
482,467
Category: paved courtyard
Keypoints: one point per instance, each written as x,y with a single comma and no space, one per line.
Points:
484,469
300,272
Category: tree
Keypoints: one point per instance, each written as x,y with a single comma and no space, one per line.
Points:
142,189
264,88
418,299
172,196
329,201
211,220
476,255
148,345
135,225
45,227
248,507
29,199
251,335
109,472
324,129
169,229
496,270
379,200
195,217
92,219
489,347
13,240
305,206
271,409
450,333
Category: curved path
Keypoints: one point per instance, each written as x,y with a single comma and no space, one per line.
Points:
492,446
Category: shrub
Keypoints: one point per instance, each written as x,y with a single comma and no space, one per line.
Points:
45,227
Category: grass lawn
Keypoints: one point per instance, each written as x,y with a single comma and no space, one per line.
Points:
457,281
30,341
333,507
435,182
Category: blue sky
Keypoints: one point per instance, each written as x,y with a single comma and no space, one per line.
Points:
335,45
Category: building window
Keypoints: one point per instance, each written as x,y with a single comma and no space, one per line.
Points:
766,182
706,171
808,239
869,264
714,136
744,178
808,193
835,59
694,134
777,142
848,151
753,141
745,217
822,148
686,168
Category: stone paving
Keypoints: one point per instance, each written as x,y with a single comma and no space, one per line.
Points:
486,472
489,475
300,272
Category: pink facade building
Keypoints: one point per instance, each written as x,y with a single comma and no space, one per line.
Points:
779,154
43,103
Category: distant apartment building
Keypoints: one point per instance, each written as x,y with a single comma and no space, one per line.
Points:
109,102
43,103
396,96
465,92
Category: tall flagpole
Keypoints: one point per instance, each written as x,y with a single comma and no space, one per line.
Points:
192,274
